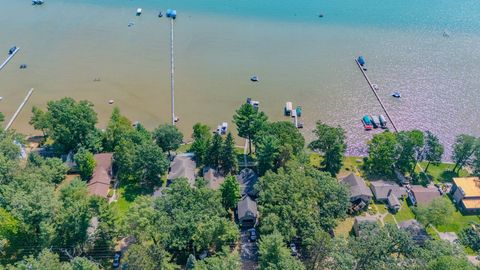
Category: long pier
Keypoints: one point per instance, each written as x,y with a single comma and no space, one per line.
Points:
15,115
172,72
376,95
9,58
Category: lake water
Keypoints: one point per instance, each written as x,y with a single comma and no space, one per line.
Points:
219,44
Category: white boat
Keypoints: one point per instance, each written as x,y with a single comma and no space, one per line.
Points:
139,11
288,108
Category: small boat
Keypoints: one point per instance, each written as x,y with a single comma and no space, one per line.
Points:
139,11
37,2
223,128
320,15
111,101
361,61
23,66
12,50
396,94
375,121
254,103
130,24
288,108
254,78
446,34
299,111
1,98
160,14
299,125
383,121
171,13
367,122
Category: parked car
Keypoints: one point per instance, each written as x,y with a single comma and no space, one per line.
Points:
116,259
252,235
293,250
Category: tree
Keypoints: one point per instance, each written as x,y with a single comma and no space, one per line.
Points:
410,144
214,152
201,142
433,150
9,145
2,117
119,127
298,201
249,123
435,213
46,260
331,142
463,149
85,163
449,263
228,157
69,123
39,120
382,153
470,237
191,262
52,169
80,263
148,256
476,162
168,137
268,148
224,260
274,255
230,190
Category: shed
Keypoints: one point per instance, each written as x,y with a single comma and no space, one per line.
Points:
247,212
99,184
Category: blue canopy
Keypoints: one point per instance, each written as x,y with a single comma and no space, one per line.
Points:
361,60
171,13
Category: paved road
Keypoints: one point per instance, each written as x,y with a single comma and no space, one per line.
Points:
248,252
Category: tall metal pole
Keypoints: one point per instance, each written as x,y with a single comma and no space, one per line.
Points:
172,72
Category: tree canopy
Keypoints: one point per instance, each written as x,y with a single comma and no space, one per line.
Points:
85,163
331,142
249,122
382,153
168,137
274,255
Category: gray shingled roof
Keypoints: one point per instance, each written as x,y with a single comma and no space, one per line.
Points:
247,179
357,186
247,207
213,177
382,188
425,195
183,166
393,200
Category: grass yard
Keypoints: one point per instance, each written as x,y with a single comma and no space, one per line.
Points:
457,221
389,219
405,213
343,228
350,164
381,208
442,172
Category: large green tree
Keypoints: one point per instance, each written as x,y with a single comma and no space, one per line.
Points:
85,163
436,213
119,127
382,154
201,141
168,137
228,156
331,142
299,201
410,145
69,123
463,150
230,190
274,255
433,150
249,123
268,150
214,152
148,256
224,260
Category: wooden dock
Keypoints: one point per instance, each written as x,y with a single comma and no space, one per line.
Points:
15,115
9,58
172,73
376,95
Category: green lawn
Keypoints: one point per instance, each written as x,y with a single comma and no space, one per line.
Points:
126,194
381,207
350,164
457,221
343,228
405,213
389,219
442,172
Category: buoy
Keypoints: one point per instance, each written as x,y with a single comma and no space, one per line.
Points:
111,101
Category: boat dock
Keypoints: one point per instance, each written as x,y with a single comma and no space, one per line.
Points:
15,115
376,95
9,58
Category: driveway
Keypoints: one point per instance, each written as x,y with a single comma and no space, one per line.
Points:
248,251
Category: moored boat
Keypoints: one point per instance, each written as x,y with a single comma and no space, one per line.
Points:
375,121
299,111
288,108
139,11
367,122
383,121
12,50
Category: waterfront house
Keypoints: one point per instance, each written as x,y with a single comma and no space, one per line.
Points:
182,166
247,212
360,194
247,179
420,195
99,184
415,229
393,203
361,222
381,189
466,194
213,178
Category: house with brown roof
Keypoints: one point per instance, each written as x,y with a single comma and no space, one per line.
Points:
247,212
420,195
213,178
99,184
466,194
360,194
182,166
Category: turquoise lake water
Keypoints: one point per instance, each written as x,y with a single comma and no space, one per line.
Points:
219,44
